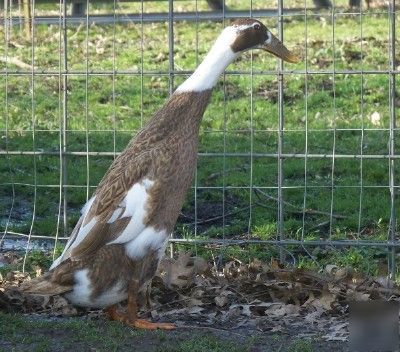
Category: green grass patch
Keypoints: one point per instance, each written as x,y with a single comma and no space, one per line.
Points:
324,114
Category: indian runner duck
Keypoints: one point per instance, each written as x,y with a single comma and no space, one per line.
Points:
114,250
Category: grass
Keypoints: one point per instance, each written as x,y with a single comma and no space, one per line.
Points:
105,110
82,334
78,333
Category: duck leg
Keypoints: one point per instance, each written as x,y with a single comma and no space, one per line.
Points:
133,291
113,313
130,317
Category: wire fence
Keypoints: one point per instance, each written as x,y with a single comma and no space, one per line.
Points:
295,157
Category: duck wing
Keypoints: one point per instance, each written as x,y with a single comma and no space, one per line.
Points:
116,211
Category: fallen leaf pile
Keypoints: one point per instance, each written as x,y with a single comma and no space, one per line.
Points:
257,295
12,300
262,296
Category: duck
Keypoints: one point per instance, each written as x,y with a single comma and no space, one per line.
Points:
115,248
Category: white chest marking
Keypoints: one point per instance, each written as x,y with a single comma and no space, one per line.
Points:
149,239
220,56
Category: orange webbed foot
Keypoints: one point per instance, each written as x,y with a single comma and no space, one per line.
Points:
147,325
130,320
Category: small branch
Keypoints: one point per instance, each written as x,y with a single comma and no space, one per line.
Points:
15,44
296,209
77,31
206,221
317,226
181,214
379,289
221,173
16,62
209,328
147,311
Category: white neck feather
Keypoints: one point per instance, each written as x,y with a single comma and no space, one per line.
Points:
219,57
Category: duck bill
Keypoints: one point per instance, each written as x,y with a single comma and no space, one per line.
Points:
276,48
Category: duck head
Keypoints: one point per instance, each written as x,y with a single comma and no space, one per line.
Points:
248,33
242,35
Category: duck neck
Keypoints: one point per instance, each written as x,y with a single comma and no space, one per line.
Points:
207,73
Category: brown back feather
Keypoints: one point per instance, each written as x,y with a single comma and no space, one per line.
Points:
164,151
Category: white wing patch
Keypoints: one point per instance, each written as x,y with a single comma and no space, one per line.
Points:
135,207
82,291
83,231
149,239
138,239
132,206
87,206
116,214
57,261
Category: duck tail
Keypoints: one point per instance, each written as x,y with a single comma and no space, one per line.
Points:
44,285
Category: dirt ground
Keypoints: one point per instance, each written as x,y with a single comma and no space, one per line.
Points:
239,308
45,333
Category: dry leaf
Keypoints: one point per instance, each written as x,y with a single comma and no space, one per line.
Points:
282,310
312,317
343,273
331,269
176,272
193,302
321,303
195,310
221,301
254,295
337,332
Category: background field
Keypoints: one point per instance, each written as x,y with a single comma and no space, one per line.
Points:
237,175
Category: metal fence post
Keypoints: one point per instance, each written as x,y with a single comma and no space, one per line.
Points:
171,64
27,19
64,117
392,149
281,235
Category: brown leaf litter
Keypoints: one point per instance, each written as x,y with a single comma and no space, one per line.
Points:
254,296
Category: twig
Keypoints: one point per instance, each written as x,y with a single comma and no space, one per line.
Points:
210,328
202,222
147,311
321,224
15,44
16,62
181,214
362,283
77,31
298,210
221,173
165,304
380,289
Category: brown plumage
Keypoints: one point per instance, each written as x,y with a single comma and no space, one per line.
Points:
115,248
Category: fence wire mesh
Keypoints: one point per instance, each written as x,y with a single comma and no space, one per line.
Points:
295,157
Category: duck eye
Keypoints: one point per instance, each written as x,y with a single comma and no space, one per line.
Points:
257,26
